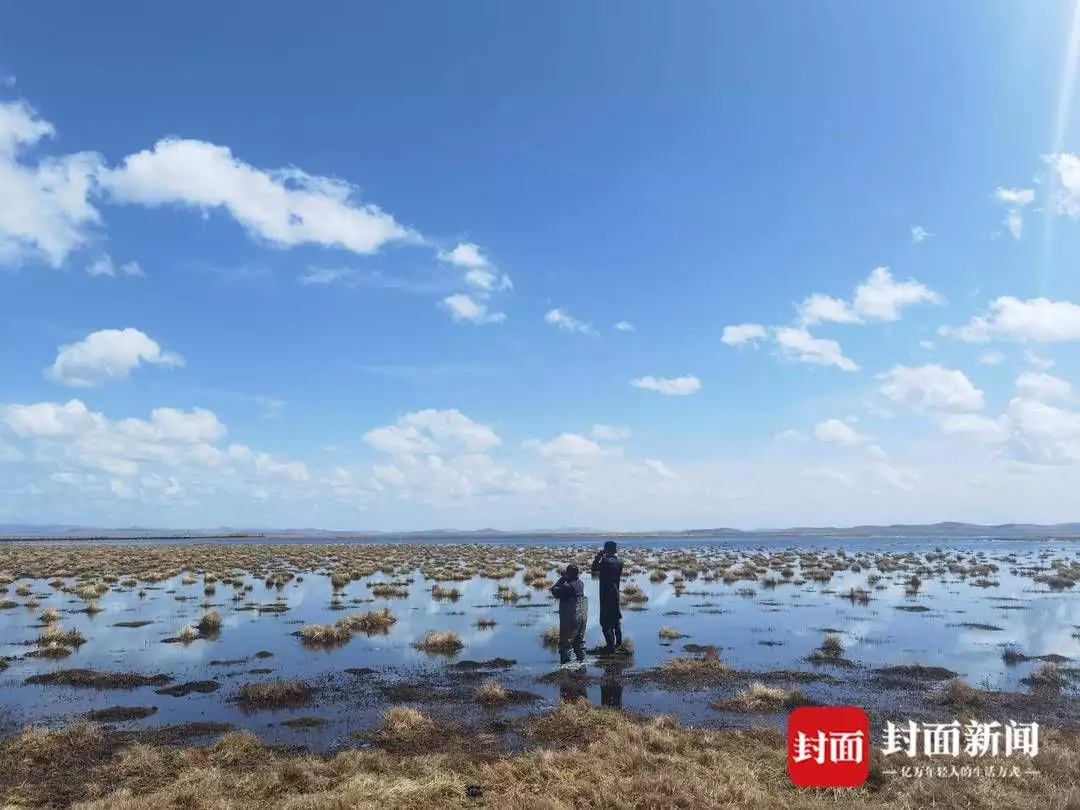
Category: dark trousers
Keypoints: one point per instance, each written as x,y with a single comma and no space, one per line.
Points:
612,633
572,635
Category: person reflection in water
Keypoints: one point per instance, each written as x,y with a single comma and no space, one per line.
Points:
611,693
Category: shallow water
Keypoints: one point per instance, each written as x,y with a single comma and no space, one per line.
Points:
774,629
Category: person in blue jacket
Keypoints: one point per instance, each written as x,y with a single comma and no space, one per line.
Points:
573,614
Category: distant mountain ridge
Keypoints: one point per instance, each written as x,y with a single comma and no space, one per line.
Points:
900,530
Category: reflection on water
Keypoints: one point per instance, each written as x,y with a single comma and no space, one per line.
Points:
775,628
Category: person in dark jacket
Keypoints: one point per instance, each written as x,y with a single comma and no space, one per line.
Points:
573,614
608,568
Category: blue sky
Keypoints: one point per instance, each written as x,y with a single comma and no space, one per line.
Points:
464,265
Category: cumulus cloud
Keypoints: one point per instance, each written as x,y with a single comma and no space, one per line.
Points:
283,207
464,309
107,355
973,425
919,234
878,298
432,431
1036,320
103,266
835,431
623,326
670,386
743,333
567,445
172,445
479,272
991,358
931,387
562,320
1043,387
1067,168
45,208
800,345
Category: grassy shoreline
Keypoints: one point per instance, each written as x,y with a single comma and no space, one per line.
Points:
575,756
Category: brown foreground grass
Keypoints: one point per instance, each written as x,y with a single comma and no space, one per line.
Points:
579,756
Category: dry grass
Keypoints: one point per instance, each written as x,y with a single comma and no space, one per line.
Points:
549,637
485,623
761,698
402,726
581,756
210,623
274,695
704,668
669,633
342,631
440,641
1047,674
54,634
50,615
491,693
959,696
188,634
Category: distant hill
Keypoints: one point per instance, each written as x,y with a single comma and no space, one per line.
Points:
948,529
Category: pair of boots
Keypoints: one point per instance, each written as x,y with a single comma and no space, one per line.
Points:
613,639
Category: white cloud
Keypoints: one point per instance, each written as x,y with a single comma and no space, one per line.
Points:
132,269
670,386
480,273
1043,387
1041,363
45,209
562,320
743,333
1067,199
1037,320
878,298
432,431
802,346
899,477
1015,196
1051,434
931,387
991,358
973,425
101,266
120,489
567,445
324,275
1014,221
926,344
834,431
919,234
463,309
465,255
659,467
284,207
110,354
172,445
609,433
623,326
